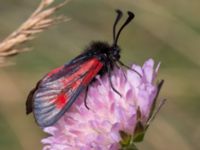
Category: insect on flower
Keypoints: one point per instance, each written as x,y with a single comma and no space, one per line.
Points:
56,92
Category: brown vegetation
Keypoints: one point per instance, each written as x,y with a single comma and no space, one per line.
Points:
41,19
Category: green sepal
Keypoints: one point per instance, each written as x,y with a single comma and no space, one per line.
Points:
139,132
129,147
139,128
126,139
139,137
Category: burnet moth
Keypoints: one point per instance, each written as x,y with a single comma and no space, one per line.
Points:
57,91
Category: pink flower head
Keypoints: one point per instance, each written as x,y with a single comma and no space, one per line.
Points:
111,120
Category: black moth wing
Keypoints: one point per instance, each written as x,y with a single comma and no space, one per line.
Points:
55,92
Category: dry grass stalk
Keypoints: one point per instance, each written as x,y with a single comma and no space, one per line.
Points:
40,20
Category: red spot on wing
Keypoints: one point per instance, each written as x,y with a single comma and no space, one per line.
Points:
61,100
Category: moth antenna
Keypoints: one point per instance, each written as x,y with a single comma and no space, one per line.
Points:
119,16
128,20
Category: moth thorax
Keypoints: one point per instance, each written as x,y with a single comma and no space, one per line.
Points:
115,53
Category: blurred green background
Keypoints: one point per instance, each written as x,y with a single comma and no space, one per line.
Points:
168,31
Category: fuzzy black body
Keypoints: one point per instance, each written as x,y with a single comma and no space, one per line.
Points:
107,54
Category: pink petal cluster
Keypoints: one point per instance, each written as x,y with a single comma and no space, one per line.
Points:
98,128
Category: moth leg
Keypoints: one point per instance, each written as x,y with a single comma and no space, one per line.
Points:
122,71
122,64
85,97
111,84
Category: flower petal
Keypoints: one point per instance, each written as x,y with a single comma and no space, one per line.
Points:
98,128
